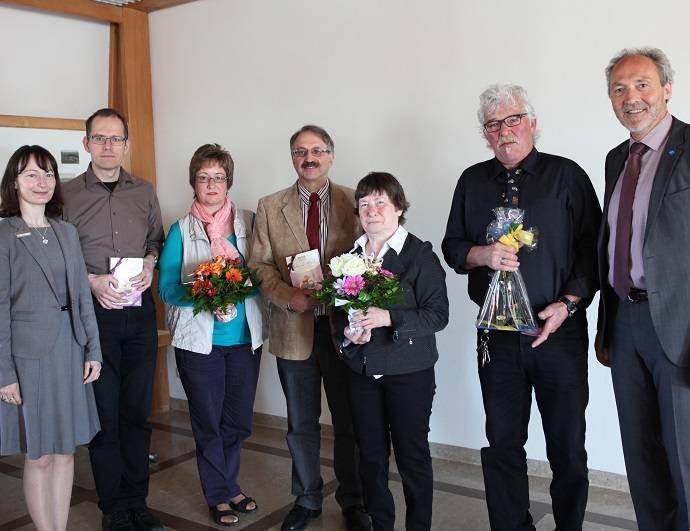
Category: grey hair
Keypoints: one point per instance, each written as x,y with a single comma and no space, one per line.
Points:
503,94
663,65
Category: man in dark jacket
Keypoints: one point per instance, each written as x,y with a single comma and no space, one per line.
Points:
644,313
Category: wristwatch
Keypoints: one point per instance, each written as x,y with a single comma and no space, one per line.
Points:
570,305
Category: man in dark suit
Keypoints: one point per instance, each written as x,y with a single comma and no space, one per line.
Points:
644,313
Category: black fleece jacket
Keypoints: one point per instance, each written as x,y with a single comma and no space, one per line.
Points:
409,345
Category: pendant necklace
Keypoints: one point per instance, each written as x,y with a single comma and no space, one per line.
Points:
44,235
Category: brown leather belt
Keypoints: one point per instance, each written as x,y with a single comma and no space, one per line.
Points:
637,295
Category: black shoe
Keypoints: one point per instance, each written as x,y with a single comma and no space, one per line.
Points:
117,521
356,518
144,520
298,518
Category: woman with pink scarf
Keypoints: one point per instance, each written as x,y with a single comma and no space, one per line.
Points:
217,359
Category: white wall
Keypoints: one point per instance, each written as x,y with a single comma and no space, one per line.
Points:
52,65
54,140
396,83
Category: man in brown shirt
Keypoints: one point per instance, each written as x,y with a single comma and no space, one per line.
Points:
117,215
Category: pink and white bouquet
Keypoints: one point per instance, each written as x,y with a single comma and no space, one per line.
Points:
358,282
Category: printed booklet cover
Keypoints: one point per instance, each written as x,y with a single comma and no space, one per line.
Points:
123,269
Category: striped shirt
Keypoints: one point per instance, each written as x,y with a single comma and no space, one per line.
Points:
324,203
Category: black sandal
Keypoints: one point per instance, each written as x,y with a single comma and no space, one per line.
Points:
217,515
241,506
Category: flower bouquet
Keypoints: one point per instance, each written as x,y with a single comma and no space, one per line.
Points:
220,284
358,282
506,306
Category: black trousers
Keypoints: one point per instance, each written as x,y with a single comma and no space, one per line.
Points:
119,452
653,400
395,408
301,382
557,372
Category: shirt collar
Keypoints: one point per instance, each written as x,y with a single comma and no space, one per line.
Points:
528,164
304,193
91,178
656,138
395,242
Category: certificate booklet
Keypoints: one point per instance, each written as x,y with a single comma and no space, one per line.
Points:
123,269
305,269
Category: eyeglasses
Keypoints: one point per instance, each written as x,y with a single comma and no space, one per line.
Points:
510,121
217,178
34,175
102,139
316,152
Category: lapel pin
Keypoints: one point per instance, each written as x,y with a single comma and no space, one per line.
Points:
671,152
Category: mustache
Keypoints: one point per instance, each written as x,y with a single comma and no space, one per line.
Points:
507,139
310,164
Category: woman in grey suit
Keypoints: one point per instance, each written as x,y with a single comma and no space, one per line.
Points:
49,347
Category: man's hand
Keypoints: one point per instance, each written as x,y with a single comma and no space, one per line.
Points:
359,337
601,350
497,256
92,370
103,288
11,394
374,318
302,300
142,281
553,316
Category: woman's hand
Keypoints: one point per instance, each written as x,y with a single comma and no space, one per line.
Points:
374,318
359,337
92,370
11,394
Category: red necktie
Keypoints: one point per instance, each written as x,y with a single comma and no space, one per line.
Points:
313,222
621,265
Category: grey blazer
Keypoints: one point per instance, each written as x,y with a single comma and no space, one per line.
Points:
665,248
30,311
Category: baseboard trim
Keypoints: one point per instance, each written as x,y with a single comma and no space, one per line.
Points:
597,478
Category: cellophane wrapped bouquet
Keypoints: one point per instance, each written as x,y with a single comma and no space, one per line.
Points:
506,306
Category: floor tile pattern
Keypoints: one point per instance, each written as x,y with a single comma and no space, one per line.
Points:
175,493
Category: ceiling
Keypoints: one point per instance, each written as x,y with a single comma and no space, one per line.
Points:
145,5
118,2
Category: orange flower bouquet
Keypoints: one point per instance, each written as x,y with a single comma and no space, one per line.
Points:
220,284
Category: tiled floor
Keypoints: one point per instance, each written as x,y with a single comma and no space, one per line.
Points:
175,493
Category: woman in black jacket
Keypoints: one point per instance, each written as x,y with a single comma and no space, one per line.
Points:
391,352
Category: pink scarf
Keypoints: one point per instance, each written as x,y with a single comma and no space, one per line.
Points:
216,226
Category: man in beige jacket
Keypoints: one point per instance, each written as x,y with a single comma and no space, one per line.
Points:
313,213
